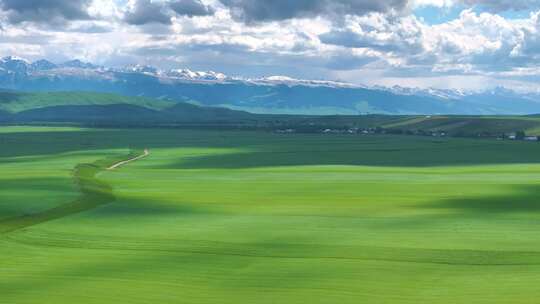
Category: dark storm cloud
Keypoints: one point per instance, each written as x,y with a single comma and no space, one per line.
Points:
147,11
264,10
505,5
45,11
191,8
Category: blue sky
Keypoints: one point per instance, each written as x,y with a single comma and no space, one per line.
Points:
436,15
432,14
460,44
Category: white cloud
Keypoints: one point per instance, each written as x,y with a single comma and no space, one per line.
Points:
377,47
435,3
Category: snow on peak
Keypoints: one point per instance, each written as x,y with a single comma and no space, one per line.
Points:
14,64
286,80
281,78
14,59
20,66
195,75
145,69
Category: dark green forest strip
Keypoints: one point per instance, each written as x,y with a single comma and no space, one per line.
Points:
93,193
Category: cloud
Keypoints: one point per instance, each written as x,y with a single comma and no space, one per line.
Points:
89,28
347,60
45,11
435,3
264,10
29,39
482,44
379,32
147,11
528,46
485,41
191,8
144,12
303,39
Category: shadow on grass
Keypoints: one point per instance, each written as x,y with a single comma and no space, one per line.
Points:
132,208
521,199
20,196
93,193
54,184
425,154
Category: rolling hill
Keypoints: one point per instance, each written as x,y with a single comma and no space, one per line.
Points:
16,102
116,110
85,107
468,125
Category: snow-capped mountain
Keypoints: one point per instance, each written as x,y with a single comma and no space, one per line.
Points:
289,81
78,64
143,69
19,65
43,65
274,94
187,74
14,64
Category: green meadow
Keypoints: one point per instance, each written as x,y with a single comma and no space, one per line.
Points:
256,217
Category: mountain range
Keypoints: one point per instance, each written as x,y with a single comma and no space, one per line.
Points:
270,95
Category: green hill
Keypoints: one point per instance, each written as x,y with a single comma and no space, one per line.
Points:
15,102
86,107
109,109
469,125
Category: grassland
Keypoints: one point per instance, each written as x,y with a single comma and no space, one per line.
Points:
253,217
15,102
468,125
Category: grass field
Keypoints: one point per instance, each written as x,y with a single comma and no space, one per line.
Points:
253,217
14,102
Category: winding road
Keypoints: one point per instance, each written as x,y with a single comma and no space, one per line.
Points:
124,162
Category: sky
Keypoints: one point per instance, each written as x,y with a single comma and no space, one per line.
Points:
457,44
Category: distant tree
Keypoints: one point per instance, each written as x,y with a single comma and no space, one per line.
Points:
379,130
461,133
520,135
395,131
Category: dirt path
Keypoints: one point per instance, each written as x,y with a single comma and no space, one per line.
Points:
120,164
